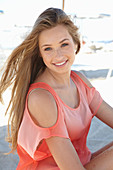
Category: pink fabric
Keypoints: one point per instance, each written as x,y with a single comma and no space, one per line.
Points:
72,123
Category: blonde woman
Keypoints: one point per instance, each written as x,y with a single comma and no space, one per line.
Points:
51,107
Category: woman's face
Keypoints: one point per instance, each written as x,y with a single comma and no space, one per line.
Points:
57,49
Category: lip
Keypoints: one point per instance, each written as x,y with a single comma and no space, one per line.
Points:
60,64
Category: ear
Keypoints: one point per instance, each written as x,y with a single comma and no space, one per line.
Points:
75,48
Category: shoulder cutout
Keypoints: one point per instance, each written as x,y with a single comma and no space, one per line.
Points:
42,107
83,77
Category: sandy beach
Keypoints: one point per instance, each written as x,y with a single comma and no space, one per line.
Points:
96,66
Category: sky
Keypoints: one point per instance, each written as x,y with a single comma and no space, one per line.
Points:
25,12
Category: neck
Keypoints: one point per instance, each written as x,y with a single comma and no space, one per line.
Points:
59,80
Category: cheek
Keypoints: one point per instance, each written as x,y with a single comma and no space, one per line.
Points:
71,51
46,55
46,59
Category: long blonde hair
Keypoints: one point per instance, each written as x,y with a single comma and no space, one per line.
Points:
25,64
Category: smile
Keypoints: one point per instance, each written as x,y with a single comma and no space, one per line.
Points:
61,64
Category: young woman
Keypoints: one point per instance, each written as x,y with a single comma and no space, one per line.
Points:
51,107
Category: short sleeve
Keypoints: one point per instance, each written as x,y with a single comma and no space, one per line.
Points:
94,99
92,96
30,135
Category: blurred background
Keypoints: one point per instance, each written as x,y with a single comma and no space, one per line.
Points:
94,19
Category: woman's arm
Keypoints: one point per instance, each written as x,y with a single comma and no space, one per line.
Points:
64,153
43,109
102,159
105,114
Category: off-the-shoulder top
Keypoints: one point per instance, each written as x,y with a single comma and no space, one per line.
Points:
72,123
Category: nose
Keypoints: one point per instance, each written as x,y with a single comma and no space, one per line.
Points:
58,53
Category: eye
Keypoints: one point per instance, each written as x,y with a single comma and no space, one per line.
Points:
47,49
65,44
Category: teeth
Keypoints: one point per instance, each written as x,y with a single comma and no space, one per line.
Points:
60,63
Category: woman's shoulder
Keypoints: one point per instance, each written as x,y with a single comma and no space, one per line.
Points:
83,78
42,106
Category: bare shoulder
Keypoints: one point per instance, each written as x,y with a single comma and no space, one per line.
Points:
84,78
42,107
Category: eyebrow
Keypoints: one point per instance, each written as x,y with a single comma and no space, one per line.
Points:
45,45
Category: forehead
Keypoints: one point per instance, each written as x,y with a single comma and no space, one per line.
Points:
54,34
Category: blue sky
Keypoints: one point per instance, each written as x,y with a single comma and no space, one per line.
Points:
25,12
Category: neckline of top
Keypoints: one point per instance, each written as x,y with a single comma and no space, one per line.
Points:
50,89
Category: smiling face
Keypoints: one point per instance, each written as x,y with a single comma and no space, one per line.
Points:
57,49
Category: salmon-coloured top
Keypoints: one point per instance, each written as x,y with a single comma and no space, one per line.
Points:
72,123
